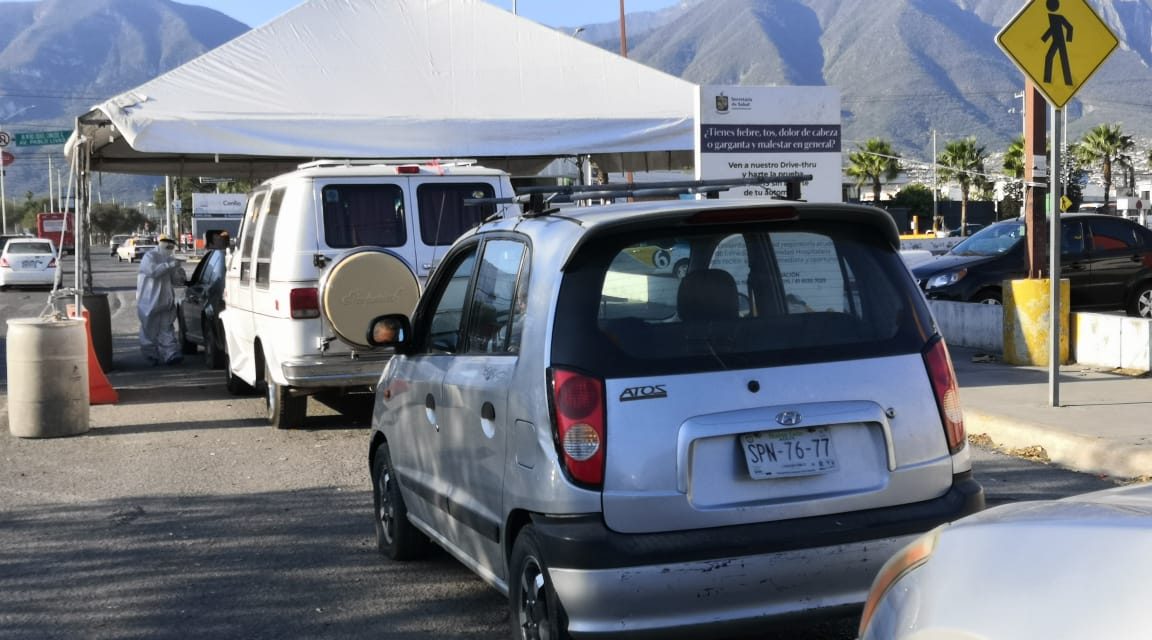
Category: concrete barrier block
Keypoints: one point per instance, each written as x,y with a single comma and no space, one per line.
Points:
1136,344
966,324
1112,341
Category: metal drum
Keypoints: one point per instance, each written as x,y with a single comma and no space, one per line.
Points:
47,377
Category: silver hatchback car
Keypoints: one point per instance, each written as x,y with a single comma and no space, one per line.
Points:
626,449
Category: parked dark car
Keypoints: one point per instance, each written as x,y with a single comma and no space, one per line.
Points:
198,312
1107,260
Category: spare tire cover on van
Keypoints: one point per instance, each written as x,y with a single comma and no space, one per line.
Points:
362,284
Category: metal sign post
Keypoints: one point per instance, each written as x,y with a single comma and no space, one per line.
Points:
1058,44
1054,244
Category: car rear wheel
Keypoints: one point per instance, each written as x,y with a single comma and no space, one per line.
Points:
1141,305
396,537
536,611
214,357
187,347
285,411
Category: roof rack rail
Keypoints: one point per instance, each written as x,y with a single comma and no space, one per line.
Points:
392,162
536,201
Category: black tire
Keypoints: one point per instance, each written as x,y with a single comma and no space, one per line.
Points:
214,357
680,269
1141,304
235,385
187,347
536,612
988,296
396,537
285,411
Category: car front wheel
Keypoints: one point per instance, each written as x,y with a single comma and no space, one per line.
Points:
396,537
235,384
988,297
536,610
1141,305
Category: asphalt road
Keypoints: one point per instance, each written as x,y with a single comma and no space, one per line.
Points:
180,514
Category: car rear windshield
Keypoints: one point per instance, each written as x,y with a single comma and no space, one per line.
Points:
356,215
443,214
672,302
40,248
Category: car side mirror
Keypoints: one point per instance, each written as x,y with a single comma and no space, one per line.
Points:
390,330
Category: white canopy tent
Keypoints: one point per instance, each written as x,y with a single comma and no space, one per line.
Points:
393,79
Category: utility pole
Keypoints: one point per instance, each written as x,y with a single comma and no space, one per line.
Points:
624,52
1035,170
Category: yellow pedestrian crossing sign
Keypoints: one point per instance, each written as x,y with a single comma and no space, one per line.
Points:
1059,44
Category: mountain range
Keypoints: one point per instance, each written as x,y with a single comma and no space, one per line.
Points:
905,68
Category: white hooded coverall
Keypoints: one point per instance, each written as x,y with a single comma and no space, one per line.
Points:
159,273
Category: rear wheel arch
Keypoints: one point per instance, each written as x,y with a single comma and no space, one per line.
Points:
516,521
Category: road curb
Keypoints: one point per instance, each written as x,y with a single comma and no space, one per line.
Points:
1082,453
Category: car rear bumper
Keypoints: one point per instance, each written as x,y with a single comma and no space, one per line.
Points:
335,371
9,277
730,577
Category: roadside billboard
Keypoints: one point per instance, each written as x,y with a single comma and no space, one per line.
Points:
744,132
218,204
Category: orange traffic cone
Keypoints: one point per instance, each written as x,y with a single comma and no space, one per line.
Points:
100,391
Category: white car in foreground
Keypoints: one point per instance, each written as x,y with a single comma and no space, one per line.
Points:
1071,568
28,262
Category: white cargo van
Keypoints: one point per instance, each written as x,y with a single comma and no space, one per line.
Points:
323,250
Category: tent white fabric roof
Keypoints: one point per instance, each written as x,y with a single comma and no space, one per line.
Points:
393,79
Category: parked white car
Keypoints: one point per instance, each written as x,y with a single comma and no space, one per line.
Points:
29,262
324,249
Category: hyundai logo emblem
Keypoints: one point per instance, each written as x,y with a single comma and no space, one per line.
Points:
789,418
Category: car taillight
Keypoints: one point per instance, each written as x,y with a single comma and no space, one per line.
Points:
947,392
304,303
4,262
52,263
578,407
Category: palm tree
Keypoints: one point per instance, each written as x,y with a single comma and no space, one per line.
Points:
963,161
1014,159
873,162
1104,145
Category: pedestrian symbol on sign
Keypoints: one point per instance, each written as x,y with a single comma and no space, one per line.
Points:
1060,33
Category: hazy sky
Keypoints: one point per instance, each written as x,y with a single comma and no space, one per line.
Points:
556,13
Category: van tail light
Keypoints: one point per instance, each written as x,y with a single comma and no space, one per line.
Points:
947,392
4,263
406,169
578,425
304,303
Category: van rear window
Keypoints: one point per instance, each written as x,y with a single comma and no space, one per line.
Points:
770,295
357,215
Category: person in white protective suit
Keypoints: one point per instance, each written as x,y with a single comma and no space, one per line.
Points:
160,273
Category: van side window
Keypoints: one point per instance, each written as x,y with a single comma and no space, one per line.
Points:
268,237
443,215
364,214
250,220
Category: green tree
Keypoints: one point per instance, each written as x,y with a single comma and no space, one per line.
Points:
1104,146
108,219
917,198
873,163
1014,159
963,161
